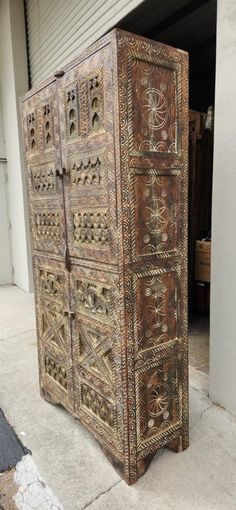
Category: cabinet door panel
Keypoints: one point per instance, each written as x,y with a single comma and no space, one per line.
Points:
53,329
96,353
44,171
86,122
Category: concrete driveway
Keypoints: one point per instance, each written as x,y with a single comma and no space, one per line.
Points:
70,461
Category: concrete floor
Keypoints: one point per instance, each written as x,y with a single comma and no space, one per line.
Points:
70,460
199,342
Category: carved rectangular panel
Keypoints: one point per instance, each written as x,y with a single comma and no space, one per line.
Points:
53,329
96,348
44,183
156,308
156,207
155,121
159,401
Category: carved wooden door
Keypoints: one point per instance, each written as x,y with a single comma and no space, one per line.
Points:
44,170
112,312
47,220
87,132
86,123
52,304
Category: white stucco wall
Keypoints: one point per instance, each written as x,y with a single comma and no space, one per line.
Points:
223,286
13,83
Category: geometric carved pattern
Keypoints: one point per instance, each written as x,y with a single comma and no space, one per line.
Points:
47,126
53,331
87,172
57,372
96,101
156,205
44,178
72,111
95,356
91,227
51,285
48,225
31,127
99,405
94,299
154,122
159,402
156,309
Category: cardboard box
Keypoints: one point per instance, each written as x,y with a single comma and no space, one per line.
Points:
203,261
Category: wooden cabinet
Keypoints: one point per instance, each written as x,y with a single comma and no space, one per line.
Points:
106,143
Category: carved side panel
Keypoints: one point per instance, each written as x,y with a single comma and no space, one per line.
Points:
153,106
154,123
88,156
157,309
53,329
44,183
159,406
96,354
156,207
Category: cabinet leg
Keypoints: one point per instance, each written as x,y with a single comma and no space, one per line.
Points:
179,444
48,397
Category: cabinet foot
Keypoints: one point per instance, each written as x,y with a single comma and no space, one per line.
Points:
179,444
48,397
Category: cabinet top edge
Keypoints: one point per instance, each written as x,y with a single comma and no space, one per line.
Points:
112,36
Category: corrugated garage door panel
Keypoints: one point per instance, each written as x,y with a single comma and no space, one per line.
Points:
59,30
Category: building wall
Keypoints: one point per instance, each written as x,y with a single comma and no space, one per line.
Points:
58,31
223,287
13,83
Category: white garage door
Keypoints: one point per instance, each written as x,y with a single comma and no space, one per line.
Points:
58,30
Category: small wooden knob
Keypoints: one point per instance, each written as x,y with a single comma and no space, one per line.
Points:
59,74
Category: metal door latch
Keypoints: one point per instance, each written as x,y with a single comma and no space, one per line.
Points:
67,259
60,172
69,314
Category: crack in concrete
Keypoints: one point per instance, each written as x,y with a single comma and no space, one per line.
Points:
207,409
17,334
101,494
200,390
33,492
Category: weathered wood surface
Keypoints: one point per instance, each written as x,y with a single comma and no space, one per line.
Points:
106,151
